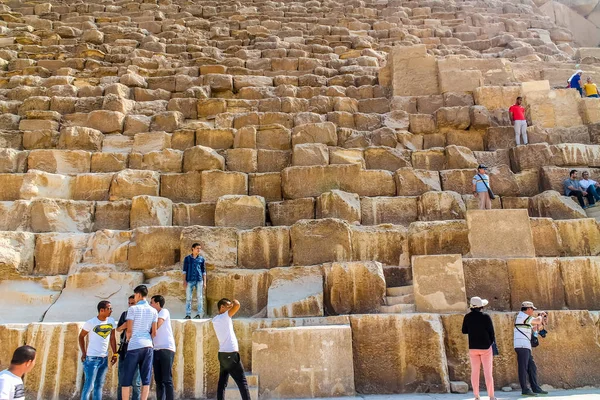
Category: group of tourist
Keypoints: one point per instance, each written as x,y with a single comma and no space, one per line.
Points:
588,89
482,345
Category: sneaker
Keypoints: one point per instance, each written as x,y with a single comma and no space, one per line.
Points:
529,393
540,391
188,317
197,316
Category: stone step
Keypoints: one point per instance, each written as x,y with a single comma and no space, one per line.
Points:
232,393
398,309
251,378
399,290
404,299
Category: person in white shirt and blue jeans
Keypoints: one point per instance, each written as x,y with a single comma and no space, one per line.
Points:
195,277
164,351
525,326
141,328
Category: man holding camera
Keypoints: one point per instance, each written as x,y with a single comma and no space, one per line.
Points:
526,326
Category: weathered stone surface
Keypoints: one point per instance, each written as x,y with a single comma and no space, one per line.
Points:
387,244
551,204
413,72
150,211
129,183
488,277
327,361
411,364
56,253
548,292
310,154
546,240
322,132
459,157
15,215
389,159
289,212
580,279
60,161
500,233
49,215
354,287
308,247
112,215
32,296
250,287
388,210
200,158
240,211
153,247
267,185
186,187
194,214
339,204
295,292
16,254
107,247
13,161
428,272
298,182
579,237
415,182
220,183
264,247
219,245
80,138
434,206
438,237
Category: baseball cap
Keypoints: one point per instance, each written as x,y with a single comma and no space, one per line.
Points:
478,302
528,304
481,166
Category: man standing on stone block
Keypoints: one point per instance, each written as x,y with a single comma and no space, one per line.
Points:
11,379
164,351
141,328
525,326
481,184
229,356
195,277
572,187
590,185
137,383
100,332
518,120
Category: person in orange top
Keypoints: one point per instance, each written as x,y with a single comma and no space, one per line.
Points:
590,88
517,118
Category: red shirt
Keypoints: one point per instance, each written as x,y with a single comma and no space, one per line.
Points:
518,112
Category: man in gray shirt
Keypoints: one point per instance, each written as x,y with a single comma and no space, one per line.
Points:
572,187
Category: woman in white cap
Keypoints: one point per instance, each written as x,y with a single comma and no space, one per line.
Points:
478,325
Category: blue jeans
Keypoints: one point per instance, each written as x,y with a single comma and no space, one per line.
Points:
137,381
594,191
189,292
94,369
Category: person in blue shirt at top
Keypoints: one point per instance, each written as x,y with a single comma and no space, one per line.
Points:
195,277
575,81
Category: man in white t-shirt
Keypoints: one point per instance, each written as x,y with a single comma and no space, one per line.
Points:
229,356
525,326
164,351
11,379
141,328
100,332
590,185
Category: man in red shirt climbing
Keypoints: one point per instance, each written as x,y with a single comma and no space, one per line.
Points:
517,118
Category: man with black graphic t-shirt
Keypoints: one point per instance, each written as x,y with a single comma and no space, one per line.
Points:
11,379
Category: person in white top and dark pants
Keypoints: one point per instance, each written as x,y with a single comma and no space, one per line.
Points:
525,326
164,351
229,356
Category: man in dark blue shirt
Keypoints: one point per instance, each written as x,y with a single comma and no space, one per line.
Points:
195,277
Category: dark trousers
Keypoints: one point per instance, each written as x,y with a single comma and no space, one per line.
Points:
527,369
231,364
579,196
163,374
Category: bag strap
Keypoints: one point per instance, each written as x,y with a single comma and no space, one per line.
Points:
483,180
522,333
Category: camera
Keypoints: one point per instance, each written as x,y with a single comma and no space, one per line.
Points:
543,333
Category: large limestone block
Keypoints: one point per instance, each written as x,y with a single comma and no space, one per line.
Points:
185,188
310,154
339,204
298,182
500,234
219,245
80,138
430,296
551,204
532,156
289,212
60,161
273,137
15,215
267,185
16,254
459,157
579,237
295,292
546,239
413,72
106,121
326,362
488,278
92,186
107,247
250,287
31,296
459,180
438,237
13,161
581,279
194,214
415,182
155,246
220,183
264,247
240,211
548,291
399,361
434,206
84,288
56,253
373,183
432,159
387,244
388,210
200,158
49,215
112,215
320,132
496,97
129,183
309,248
150,211
386,158
354,287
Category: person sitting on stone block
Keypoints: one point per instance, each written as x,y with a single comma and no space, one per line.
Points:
572,187
590,185
590,88
575,81
194,277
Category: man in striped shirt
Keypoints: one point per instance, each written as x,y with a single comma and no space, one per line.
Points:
141,328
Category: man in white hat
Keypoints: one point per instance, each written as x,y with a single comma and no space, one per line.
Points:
525,326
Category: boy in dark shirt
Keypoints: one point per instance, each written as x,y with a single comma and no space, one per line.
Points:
195,277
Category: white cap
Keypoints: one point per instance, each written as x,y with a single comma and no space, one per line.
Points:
478,302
